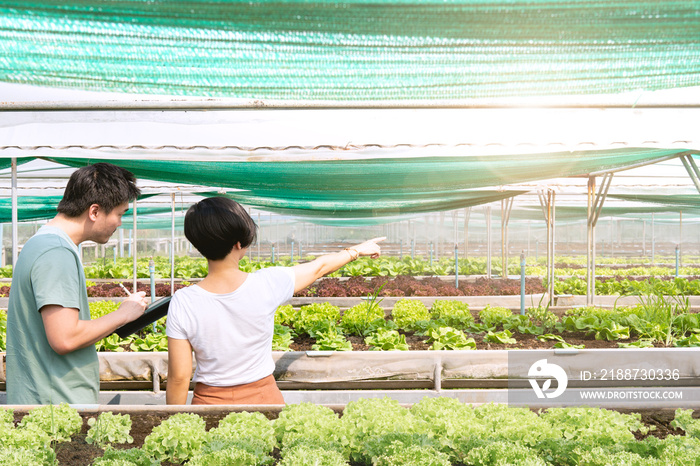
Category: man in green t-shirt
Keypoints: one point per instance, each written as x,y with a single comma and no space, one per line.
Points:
51,356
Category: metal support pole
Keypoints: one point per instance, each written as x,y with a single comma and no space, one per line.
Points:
456,266
467,213
172,244
653,241
291,255
15,234
680,238
506,206
259,236
134,247
692,170
547,203
595,206
273,253
488,242
152,274
522,283
677,259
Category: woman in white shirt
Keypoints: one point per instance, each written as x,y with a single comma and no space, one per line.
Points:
227,319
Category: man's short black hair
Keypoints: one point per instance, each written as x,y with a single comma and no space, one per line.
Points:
214,225
103,184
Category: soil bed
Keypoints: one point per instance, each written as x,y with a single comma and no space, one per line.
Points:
524,341
78,452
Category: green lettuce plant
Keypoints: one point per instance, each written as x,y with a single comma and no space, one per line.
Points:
59,422
302,455
176,439
313,316
448,338
408,313
109,428
125,457
27,456
505,337
308,422
387,340
362,318
244,426
282,338
493,316
452,313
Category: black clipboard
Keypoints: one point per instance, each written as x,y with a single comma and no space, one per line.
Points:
153,312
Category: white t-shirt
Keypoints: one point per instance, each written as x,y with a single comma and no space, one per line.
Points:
231,333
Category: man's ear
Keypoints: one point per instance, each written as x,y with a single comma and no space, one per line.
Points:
93,211
238,246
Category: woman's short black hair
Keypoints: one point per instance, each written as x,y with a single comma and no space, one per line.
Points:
103,184
214,225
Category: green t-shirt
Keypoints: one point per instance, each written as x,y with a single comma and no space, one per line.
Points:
48,271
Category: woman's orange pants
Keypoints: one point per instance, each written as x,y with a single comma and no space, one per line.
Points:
262,392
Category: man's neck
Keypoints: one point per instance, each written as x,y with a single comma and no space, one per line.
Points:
73,227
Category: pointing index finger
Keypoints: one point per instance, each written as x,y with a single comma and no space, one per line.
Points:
377,240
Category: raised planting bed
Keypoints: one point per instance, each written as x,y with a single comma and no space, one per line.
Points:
435,431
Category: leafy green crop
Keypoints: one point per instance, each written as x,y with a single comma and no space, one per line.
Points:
448,338
452,313
505,337
102,308
127,457
177,439
59,422
500,452
109,428
10,456
286,315
368,418
303,455
231,456
387,340
310,424
246,426
684,419
330,339
493,316
282,338
150,342
407,313
7,418
393,452
3,329
313,316
362,318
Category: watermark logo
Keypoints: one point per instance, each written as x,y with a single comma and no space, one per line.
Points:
541,369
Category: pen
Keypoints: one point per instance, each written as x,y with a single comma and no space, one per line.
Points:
124,288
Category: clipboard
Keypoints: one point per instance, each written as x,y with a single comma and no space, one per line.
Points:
152,313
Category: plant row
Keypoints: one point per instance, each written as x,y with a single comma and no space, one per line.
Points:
191,268
370,432
450,325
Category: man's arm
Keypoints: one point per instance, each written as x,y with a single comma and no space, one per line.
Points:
307,273
179,371
67,333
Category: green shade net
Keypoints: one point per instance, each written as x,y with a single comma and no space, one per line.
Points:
30,208
673,202
7,162
364,205
397,176
152,223
357,50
